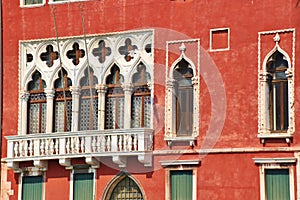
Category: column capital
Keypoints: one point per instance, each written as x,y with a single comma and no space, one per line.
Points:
127,87
24,95
49,92
101,88
75,90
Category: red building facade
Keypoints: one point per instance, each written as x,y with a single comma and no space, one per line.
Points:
178,99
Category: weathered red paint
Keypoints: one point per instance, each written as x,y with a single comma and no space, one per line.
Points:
219,176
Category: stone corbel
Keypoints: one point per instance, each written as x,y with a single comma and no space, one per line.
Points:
66,162
120,160
40,164
146,159
13,165
92,161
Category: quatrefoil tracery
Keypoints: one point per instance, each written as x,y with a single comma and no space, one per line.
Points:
128,50
102,51
49,56
75,54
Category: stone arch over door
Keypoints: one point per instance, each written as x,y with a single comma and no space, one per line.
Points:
125,187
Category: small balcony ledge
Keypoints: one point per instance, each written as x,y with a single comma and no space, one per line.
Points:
91,145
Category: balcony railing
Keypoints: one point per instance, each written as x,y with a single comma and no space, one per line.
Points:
87,144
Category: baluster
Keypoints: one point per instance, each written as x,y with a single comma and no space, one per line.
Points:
98,144
30,148
120,142
76,144
51,146
46,146
102,143
56,146
135,142
129,145
25,148
16,149
94,144
108,143
42,147
68,145
82,143
21,147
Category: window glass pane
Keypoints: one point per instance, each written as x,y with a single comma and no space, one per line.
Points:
278,92
184,98
182,185
140,104
83,187
114,113
277,184
32,187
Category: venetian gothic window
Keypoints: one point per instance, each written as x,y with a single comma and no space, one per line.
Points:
88,102
36,105
184,98
141,101
62,103
126,189
114,101
277,91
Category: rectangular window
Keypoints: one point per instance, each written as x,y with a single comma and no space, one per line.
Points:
181,184
277,184
32,187
83,186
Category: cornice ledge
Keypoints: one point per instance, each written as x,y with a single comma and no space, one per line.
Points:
274,160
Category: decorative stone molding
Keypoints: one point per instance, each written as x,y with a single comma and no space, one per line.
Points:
264,131
170,108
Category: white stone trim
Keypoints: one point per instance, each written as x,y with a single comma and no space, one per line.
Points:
166,163
64,1
275,163
168,183
140,38
31,171
170,108
264,131
211,42
78,171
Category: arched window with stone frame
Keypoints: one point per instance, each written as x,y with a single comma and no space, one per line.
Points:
277,91
183,75
114,100
62,103
88,114
141,99
182,100
124,187
37,105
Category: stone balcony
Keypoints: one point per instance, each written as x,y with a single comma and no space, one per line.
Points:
90,145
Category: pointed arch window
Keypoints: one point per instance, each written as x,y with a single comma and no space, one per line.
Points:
36,105
141,99
88,102
277,92
126,189
114,101
184,98
63,103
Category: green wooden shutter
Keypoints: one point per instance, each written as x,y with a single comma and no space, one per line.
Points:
182,185
32,187
277,184
83,186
